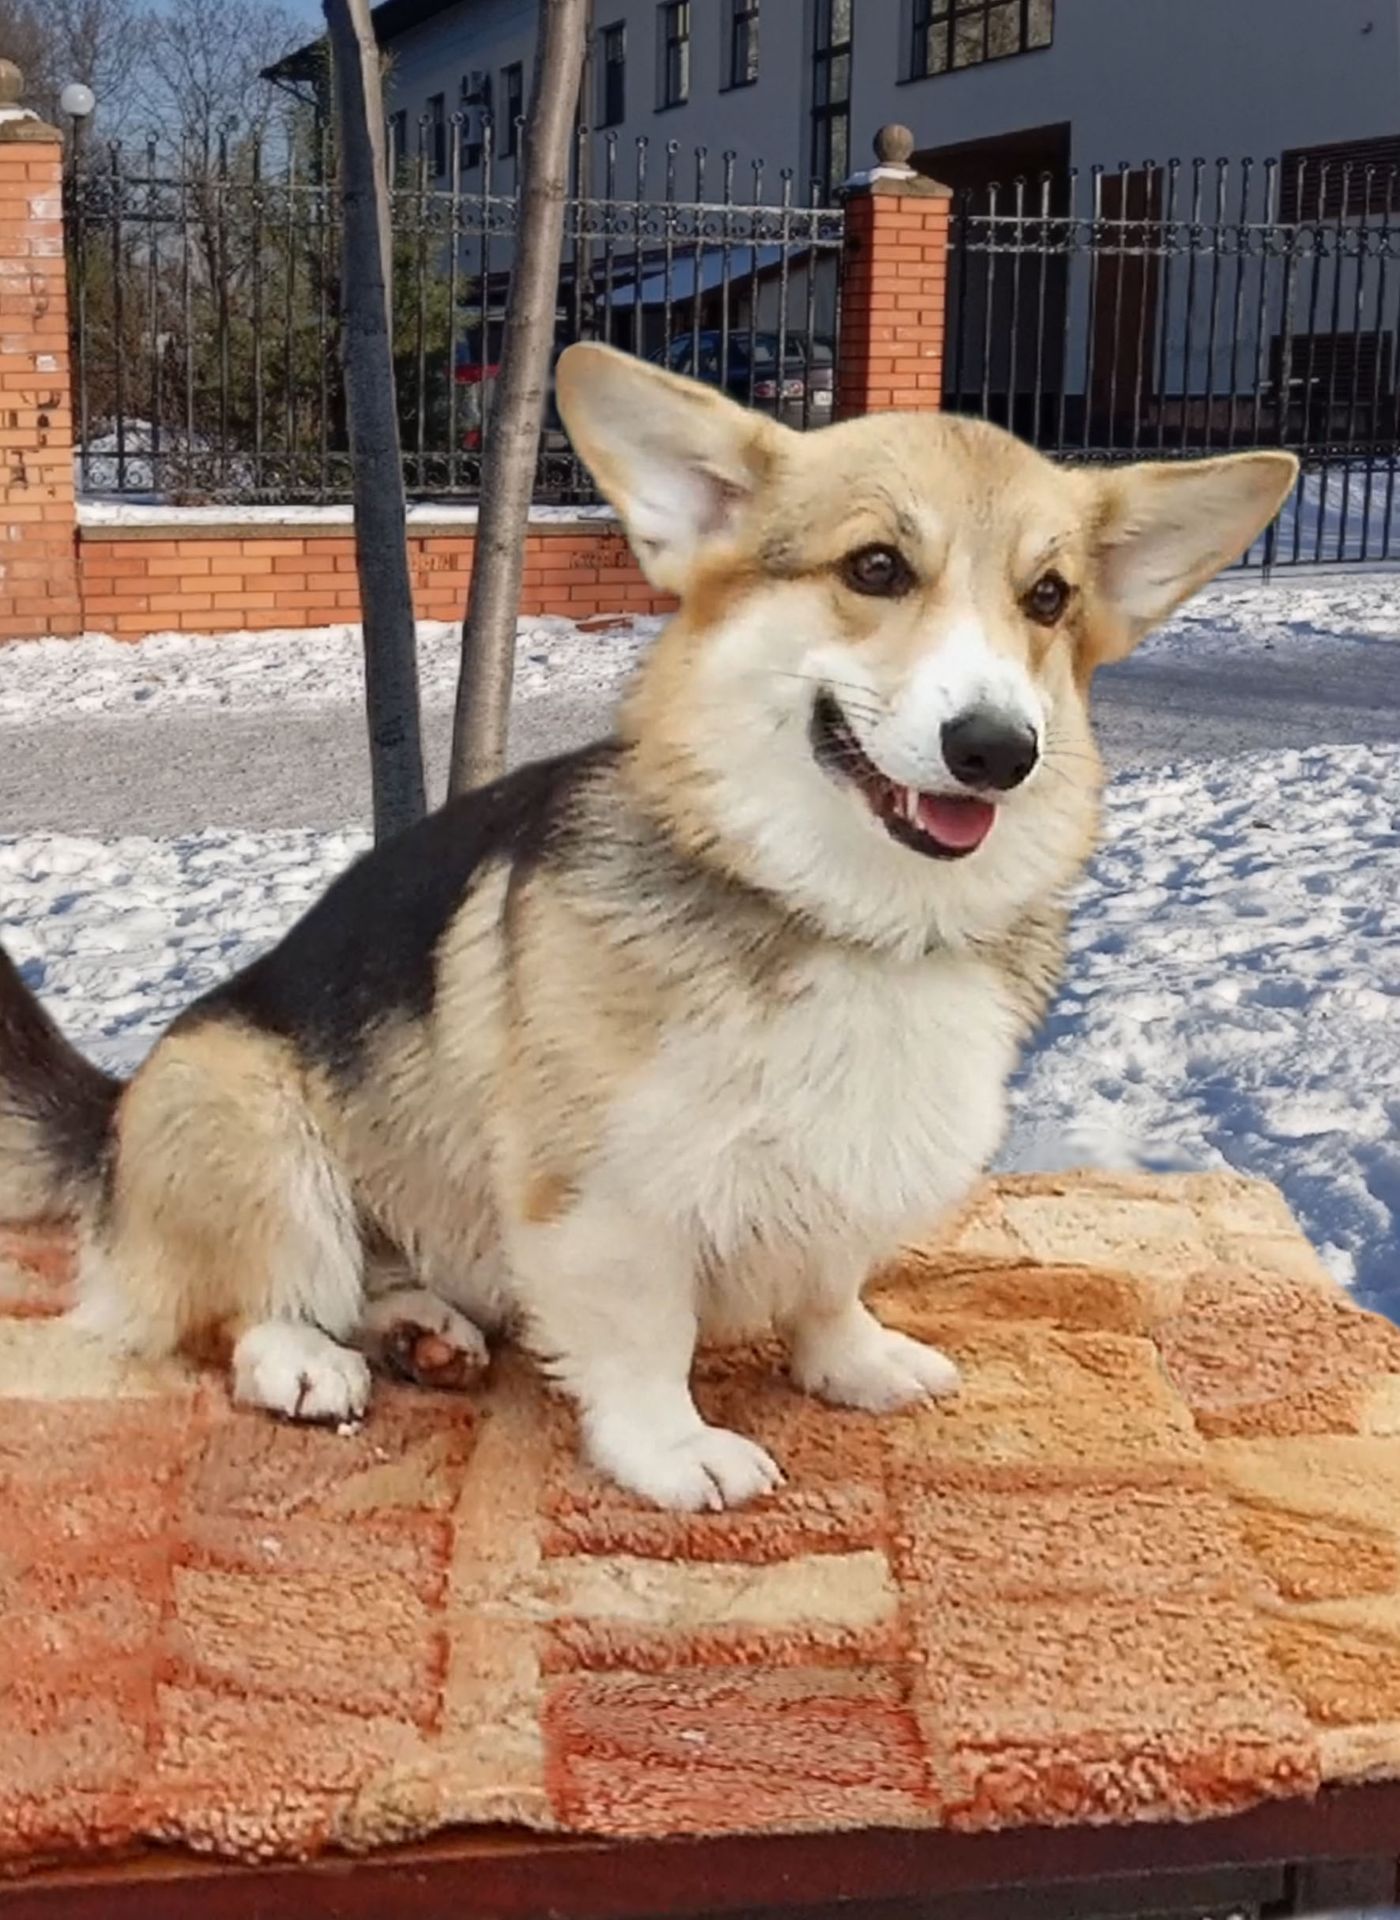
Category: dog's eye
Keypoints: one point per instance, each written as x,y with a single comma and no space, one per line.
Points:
879,571
1047,599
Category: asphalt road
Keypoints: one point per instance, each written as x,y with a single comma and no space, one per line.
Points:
166,773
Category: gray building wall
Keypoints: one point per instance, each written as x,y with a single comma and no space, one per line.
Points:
1141,79
1134,79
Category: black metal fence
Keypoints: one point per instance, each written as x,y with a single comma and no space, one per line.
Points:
205,304
1167,310
1158,310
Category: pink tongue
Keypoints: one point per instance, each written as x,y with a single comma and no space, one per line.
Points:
956,823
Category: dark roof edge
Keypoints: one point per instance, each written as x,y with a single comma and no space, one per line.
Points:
389,19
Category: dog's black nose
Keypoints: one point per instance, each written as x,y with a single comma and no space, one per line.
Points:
987,749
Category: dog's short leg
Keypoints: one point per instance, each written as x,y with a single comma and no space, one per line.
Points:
610,1304
288,1355
231,1213
841,1353
417,1336
298,1371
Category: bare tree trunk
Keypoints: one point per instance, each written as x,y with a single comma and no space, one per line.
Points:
376,465
512,442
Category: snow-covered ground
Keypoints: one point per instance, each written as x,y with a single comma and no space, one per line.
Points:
322,666
294,667
1234,993
1349,511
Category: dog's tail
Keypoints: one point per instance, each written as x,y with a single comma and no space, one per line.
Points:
56,1112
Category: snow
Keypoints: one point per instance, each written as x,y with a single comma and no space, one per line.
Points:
323,666
127,460
1234,994
1234,989
1349,511
1239,613
117,511
117,935
293,667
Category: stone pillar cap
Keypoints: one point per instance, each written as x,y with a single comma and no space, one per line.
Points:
892,173
17,122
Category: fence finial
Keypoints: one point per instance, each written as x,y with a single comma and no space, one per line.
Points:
11,84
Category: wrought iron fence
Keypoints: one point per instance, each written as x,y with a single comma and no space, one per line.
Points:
205,305
1166,310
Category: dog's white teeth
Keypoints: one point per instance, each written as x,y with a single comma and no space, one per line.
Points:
911,805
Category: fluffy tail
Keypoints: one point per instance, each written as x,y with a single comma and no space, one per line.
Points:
56,1111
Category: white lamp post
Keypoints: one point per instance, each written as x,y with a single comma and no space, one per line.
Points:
77,101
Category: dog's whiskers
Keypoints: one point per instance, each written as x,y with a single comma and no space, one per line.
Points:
865,697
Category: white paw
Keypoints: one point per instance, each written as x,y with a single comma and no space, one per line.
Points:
872,1367
299,1372
709,1469
418,1336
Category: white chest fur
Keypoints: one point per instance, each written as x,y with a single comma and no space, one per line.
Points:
857,1109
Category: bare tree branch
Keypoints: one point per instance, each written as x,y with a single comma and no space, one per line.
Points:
99,42
512,445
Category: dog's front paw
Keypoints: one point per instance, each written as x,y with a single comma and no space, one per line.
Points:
855,1362
301,1373
415,1336
709,1469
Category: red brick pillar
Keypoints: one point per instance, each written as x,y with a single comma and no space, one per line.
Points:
894,285
38,513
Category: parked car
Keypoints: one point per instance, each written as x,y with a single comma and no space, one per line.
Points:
800,395
478,384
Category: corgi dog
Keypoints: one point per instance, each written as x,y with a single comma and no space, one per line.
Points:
682,1035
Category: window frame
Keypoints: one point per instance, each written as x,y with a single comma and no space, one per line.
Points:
436,145
740,16
667,41
829,113
512,84
606,118
924,28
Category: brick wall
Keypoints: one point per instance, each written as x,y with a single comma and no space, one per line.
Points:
38,567
893,294
203,578
63,573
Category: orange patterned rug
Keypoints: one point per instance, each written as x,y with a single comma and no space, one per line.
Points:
1147,1566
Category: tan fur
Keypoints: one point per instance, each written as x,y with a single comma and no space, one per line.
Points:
220,1117
548,1197
709,1052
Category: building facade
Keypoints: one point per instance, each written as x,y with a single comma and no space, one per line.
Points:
1087,101
987,86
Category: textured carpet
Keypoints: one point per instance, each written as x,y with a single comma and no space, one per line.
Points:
1146,1566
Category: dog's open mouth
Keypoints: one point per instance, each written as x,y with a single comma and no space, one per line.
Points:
943,826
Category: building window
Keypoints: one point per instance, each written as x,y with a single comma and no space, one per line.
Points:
831,95
436,135
474,118
673,89
612,77
951,34
512,109
741,49
1349,179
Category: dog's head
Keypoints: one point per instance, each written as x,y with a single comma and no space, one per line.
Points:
874,698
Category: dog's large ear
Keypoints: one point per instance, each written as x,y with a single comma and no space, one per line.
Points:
679,461
1166,528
